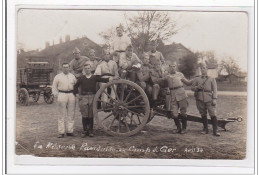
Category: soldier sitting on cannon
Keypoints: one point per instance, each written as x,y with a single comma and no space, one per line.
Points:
129,63
107,66
143,74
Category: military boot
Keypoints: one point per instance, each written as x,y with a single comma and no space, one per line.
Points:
205,125
84,123
215,125
178,124
184,123
91,125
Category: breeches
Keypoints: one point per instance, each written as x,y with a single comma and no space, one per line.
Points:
176,105
66,103
86,106
205,107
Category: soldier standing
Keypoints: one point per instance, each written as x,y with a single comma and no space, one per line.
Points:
119,43
87,82
76,65
63,89
175,82
205,88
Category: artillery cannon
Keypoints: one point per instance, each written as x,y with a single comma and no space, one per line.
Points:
130,110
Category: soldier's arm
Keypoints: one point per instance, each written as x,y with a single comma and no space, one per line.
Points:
98,70
214,88
76,86
185,81
116,70
162,58
72,67
194,86
55,90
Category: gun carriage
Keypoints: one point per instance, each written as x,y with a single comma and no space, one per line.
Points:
132,108
33,81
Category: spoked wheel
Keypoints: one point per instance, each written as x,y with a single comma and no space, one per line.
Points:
124,111
23,97
48,97
36,97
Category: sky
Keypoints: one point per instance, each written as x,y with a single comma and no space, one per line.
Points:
225,33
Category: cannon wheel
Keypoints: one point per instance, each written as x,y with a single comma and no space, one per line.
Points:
23,97
48,97
126,112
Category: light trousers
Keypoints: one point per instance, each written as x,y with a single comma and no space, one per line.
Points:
67,104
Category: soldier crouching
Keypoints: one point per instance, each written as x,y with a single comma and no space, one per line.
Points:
205,88
87,82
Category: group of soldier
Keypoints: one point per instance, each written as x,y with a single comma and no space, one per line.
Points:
79,80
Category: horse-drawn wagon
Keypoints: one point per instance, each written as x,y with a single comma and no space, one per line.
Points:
34,80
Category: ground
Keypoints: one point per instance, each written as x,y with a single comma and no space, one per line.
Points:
36,134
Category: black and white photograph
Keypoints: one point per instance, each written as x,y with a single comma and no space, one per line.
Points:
125,83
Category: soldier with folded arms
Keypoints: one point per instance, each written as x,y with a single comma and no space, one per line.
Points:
205,89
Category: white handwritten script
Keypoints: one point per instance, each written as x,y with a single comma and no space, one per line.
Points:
99,148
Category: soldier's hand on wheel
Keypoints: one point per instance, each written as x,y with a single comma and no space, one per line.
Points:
214,102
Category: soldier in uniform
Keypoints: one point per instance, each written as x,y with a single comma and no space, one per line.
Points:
76,65
107,66
175,82
126,62
205,88
143,74
158,55
156,74
95,60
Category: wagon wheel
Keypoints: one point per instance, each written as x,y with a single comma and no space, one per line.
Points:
48,97
125,112
23,97
36,97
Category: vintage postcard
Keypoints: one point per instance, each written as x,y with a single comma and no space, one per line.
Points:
130,85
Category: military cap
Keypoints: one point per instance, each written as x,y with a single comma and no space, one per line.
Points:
91,51
76,50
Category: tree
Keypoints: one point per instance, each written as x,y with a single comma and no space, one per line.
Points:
230,66
144,27
209,57
149,25
188,65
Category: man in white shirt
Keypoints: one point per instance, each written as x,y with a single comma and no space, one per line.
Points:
107,66
62,88
119,43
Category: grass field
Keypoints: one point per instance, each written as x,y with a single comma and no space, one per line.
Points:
36,134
